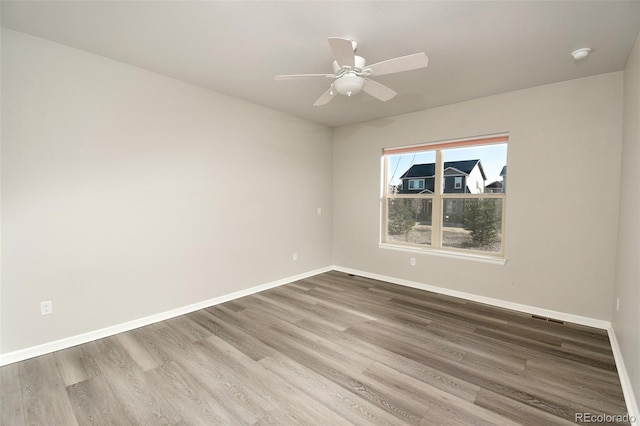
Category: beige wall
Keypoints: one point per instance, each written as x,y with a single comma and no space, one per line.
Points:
560,232
626,321
126,193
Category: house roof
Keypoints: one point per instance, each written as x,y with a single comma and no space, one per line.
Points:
503,172
429,169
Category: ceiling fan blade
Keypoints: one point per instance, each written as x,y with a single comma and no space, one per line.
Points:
403,63
303,76
378,91
326,97
343,51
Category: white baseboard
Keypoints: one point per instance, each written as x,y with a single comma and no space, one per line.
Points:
576,319
627,389
22,354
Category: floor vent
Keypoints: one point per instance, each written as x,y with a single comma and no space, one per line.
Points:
555,321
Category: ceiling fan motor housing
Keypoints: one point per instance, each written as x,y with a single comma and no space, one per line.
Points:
359,64
349,83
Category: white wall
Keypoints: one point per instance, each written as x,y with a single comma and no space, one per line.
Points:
126,193
626,322
560,241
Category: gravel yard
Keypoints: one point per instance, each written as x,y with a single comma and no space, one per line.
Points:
452,237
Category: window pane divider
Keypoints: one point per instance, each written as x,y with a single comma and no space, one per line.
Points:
487,195
427,196
436,213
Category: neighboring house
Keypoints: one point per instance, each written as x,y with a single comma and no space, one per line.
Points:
494,187
460,177
498,186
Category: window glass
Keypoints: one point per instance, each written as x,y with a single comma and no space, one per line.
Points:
398,167
447,196
483,166
416,183
410,220
457,183
473,224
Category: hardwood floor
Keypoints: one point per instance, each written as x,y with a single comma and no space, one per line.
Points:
329,350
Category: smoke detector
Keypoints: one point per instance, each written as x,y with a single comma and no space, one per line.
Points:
581,53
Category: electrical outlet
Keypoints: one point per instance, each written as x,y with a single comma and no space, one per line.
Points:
412,261
295,256
46,308
319,210
617,304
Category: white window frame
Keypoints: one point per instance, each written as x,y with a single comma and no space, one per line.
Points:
437,198
419,181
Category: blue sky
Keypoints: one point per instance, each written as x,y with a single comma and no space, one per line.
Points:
492,157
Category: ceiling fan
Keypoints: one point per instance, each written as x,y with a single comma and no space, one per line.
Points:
350,72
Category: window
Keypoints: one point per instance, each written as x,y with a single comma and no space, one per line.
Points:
416,184
458,182
442,217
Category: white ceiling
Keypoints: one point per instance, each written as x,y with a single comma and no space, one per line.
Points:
475,48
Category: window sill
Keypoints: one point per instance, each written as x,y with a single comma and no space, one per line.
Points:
446,253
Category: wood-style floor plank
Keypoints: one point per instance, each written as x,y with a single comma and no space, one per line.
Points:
44,395
239,402
141,401
76,365
330,349
11,411
349,406
192,401
94,403
268,385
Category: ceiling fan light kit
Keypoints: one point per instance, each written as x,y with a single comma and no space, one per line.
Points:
350,72
349,84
